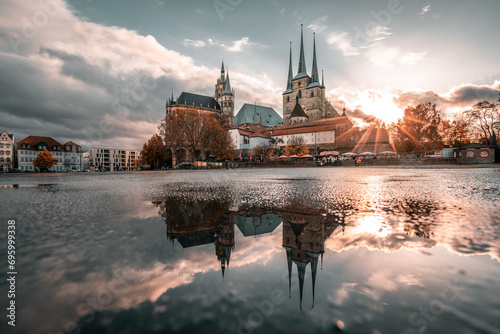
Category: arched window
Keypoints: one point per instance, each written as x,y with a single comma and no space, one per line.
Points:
23,145
288,99
300,93
312,94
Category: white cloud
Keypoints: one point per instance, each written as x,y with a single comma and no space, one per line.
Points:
237,45
319,25
425,10
389,57
282,12
343,43
192,43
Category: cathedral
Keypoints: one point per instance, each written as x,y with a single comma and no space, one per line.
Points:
222,103
304,99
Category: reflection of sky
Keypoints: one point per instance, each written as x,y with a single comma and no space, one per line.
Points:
392,257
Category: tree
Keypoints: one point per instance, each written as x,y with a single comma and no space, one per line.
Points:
418,130
196,131
45,160
455,131
296,145
484,119
154,152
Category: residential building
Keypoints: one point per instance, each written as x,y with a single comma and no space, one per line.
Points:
112,159
6,151
29,148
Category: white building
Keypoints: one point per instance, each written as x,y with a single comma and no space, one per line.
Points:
29,148
111,159
6,151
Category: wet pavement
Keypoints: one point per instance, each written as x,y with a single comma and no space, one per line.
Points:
366,250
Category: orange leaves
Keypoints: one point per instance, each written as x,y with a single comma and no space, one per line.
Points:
45,160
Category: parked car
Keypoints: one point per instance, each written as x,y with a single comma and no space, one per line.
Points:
186,165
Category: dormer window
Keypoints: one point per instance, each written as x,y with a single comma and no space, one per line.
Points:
28,145
23,145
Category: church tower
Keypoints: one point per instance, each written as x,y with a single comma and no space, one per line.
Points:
224,95
305,90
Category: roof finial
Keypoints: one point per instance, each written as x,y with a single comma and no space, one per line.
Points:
222,71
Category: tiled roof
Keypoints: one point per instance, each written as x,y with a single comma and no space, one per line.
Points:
71,143
198,100
35,140
317,126
253,113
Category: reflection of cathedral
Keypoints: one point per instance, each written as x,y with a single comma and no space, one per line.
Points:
212,222
304,236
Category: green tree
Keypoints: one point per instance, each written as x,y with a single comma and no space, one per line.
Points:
45,160
418,130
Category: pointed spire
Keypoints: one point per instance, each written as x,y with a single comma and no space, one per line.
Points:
227,86
302,59
222,72
172,99
290,73
314,74
322,79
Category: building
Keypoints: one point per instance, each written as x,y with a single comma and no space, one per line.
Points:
69,155
306,91
6,151
112,159
222,103
73,156
253,114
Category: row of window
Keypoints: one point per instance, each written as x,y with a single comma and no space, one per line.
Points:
4,145
5,138
6,152
4,160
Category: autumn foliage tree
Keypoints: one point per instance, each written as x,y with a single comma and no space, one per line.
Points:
418,130
455,131
196,131
296,146
154,152
45,160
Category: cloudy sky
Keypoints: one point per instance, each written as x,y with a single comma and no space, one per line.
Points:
99,72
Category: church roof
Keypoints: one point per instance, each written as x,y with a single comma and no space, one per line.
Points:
227,85
298,111
198,100
253,113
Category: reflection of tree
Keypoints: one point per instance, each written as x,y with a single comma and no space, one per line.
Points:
419,216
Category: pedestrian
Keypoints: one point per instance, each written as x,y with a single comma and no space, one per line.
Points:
358,161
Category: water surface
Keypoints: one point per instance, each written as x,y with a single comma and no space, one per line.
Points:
368,250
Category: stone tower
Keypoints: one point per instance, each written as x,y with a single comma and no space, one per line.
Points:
305,90
224,95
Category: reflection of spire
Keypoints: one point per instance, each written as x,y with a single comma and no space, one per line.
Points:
301,269
314,269
227,254
289,261
322,260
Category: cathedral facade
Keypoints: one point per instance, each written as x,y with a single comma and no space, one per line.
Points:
304,98
222,103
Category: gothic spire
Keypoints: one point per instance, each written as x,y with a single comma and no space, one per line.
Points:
314,74
302,59
314,269
322,79
290,73
227,86
301,269
222,72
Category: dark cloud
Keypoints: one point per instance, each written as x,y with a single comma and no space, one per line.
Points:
462,96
